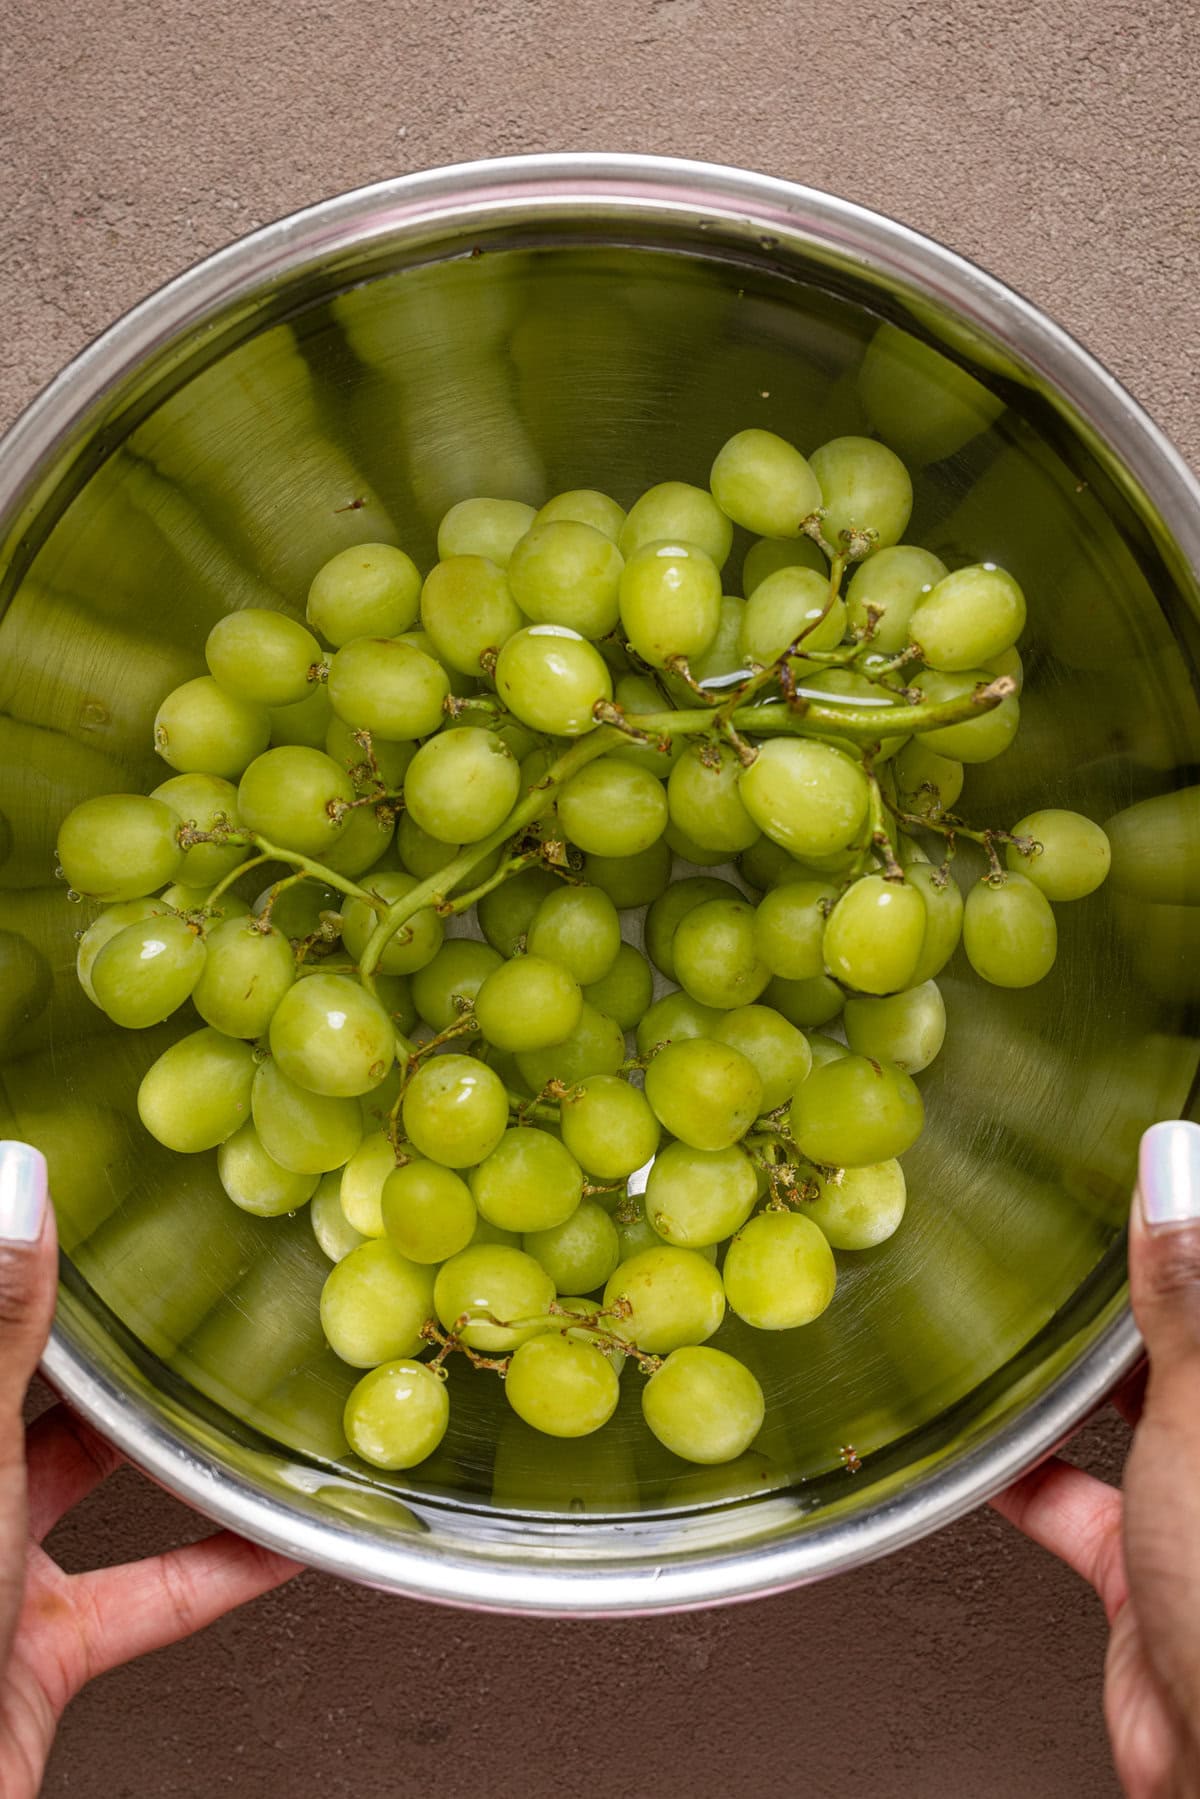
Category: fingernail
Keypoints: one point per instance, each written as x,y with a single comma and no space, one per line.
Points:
23,1189
1169,1173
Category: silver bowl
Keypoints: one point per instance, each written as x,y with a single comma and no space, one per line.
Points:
514,328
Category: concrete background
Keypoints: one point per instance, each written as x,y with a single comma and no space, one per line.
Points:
1051,139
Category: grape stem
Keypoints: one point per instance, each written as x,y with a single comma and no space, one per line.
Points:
233,875
763,677
462,902
187,836
877,820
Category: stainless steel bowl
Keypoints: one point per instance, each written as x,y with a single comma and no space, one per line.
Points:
515,328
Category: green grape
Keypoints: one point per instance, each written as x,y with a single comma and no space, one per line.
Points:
202,730
552,680
362,1182
262,656
335,1234
625,992
587,507
675,1018
119,846
306,1132
484,528
668,912
330,1036
462,686
676,510
295,797
864,488
926,783
595,1046
491,1233
779,1271
675,1297
300,910
369,590
804,795
806,1004
608,1127
1073,858
703,1405
706,801
506,913
695,1197
387,687
639,696
446,987
578,928
635,1232
685,849
790,606
919,400
468,609
105,927
529,1003
977,739
341,744
891,585
529,1182
789,928
1009,663
397,1415
367,834
462,785
611,808
825,1049
146,971
1008,932
414,945
631,881
580,1253
854,1111
715,954
562,1386
204,801
769,555
863,1208
968,617
943,919
874,935
762,482
721,666
255,1181
305,723
492,1278
777,1049
374,1303
670,596
455,1111
1153,848
246,973
907,1029
565,573
198,1092
428,1211
705,1093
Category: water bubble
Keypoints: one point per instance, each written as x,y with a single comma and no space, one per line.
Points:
79,936
74,897
59,875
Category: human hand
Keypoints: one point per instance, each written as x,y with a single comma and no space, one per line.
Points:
1140,1550
57,1631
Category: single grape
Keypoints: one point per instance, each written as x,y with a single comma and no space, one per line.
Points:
907,1029
715,955
246,973
762,482
455,1111
529,1182
394,994
791,606
366,837
720,667
864,1207
825,1049
703,1405
779,1271
695,1197
874,934
635,1232
926,783
299,911
108,925
255,1181
854,1111
777,1049
335,1235
919,400
578,928
943,918
565,573
414,945
297,798
491,1233
362,1182
463,686
686,849
667,913
146,971
119,846
330,1036
587,507
484,528
506,913
608,1127
374,1303
428,1211
306,722
595,1046
670,594
446,987
806,1004
580,1253
262,656
865,488
1153,848
705,1093
789,928
678,511
198,1092
631,881
968,617
1008,931
805,796
674,1296
675,1018
1073,858
706,801
397,1415
552,679
468,609
369,590
461,785
494,1279
201,729
625,992
421,854
977,739
611,808
387,687
529,1003
885,590
303,1131
383,762
207,802
562,1386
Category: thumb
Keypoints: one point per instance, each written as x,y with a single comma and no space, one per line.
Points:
1164,1252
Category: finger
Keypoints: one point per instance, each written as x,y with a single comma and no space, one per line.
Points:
129,1610
1164,1250
65,1459
1077,1518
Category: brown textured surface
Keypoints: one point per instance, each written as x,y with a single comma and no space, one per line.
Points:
1051,139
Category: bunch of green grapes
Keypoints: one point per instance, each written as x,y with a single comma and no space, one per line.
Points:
397,873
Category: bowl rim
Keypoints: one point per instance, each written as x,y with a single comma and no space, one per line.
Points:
920,266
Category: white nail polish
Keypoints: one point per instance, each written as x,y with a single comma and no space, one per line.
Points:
23,1189
1169,1173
